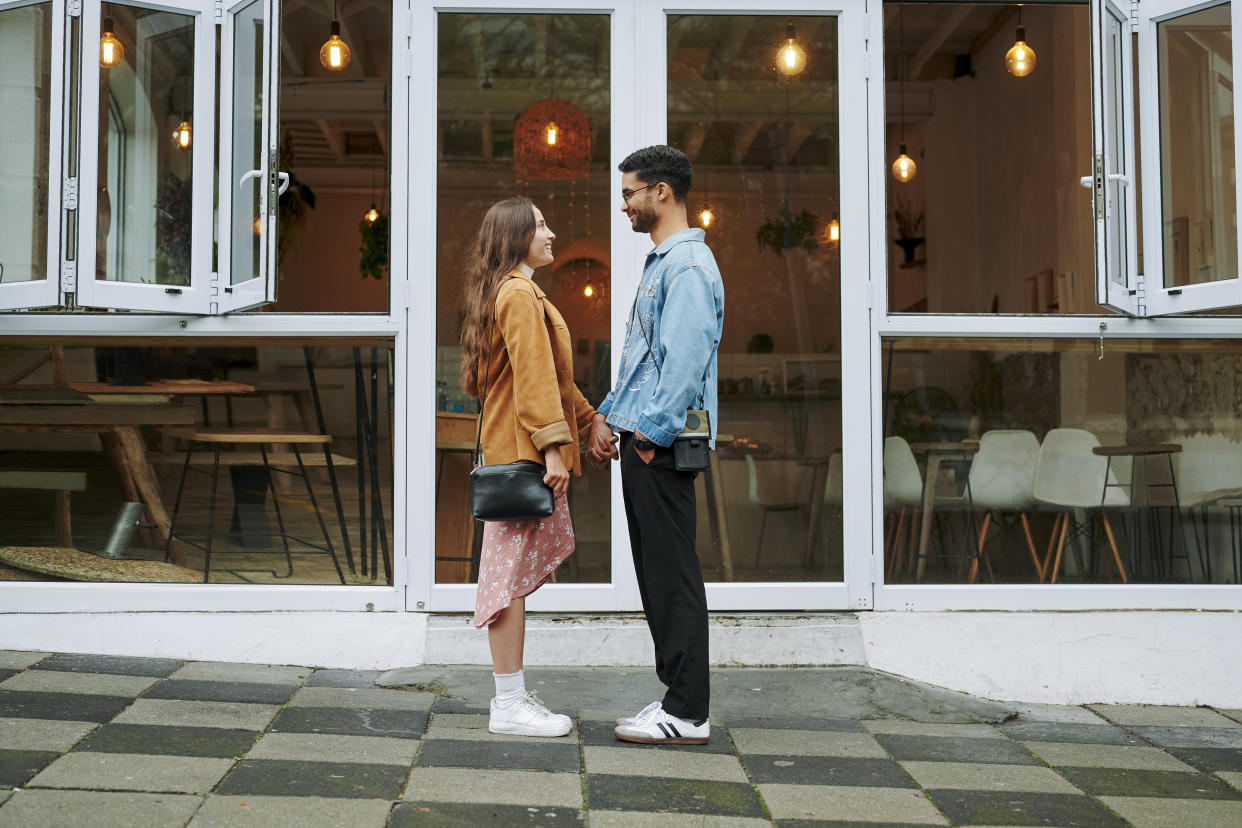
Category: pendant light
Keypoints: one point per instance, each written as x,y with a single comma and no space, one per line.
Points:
904,167
182,136
372,215
589,290
832,238
706,217
791,59
334,54
1020,59
111,52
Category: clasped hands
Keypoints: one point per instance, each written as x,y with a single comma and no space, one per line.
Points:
602,443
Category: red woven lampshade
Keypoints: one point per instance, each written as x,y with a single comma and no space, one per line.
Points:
551,142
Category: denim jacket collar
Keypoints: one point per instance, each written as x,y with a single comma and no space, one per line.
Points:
689,234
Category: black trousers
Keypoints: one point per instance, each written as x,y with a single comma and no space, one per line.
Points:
660,511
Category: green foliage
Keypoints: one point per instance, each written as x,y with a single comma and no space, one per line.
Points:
788,231
373,254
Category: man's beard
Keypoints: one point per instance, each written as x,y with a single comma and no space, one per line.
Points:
644,220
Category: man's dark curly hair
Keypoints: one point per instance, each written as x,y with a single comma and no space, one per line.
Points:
661,162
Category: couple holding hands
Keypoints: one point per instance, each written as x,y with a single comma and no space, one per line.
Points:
536,414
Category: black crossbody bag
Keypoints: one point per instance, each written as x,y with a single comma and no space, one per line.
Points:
506,491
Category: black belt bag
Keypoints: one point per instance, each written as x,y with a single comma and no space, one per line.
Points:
691,452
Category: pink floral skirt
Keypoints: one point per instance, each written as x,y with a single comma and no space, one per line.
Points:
518,556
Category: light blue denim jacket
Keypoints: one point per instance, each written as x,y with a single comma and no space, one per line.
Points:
668,363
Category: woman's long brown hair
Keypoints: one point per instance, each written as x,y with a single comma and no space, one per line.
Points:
502,244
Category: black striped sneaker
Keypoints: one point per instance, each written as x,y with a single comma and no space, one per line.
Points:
660,728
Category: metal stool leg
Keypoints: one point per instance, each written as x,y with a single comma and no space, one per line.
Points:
211,509
327,456
280,520
310,490
172,524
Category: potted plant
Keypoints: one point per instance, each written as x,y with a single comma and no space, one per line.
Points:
909,224
373,253
788,231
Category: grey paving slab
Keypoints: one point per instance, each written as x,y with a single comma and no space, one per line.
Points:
954,731
97,809
317,747
110,664
93,684
4,794
169,740
220,811
1059,754
42,734
638,819
1233,713
7,674
448,704
1144,812
229,715
851,805
1063,713
1210,759
77,707
1099,733
678,764
1150,715
18,766
1170,737
833,771
281,777
1013,808
807,743
966,777
377,698
944,749
363,721
684,796
20,659
223,691
455,815
556,755
343,678
1163,784
601,734
462,726
243,673
129,772
508,787
759,721
1231,778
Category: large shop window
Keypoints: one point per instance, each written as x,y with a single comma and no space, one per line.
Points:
289,449
1031,185
1068,461
164,212
523,109
753,101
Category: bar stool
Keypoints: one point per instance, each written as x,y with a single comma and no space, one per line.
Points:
214,439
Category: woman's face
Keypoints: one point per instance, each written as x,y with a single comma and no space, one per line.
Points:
540,252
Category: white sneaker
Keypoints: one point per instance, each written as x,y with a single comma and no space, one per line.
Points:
660,728
640,716
528,717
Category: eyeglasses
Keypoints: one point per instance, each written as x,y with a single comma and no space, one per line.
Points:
627,196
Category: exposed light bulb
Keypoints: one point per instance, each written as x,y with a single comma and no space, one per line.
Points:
111,52
371,215
1020,59
588,291
791,59
551,132
706,217
834,232
181,136
904,167
334,54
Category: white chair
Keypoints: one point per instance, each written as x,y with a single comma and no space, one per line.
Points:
767,504
1209,490
1002,481
903,494
1070,477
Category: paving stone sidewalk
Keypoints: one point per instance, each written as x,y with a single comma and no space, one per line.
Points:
103,741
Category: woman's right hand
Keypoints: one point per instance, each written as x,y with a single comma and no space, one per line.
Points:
557,477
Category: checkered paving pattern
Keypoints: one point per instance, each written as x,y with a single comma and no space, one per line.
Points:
107,741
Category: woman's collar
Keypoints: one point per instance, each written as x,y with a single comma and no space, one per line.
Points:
527,269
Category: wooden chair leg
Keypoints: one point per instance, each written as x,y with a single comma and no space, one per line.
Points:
1112,542
912,542
1056,563
983,535
1030,546
1052,542
891,544
64,523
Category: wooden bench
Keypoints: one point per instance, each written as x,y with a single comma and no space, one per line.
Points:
61,482
249,458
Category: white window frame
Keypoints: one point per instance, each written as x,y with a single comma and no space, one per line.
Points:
100,293
46,292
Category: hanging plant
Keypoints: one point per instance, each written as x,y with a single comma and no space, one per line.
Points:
788,231
373,254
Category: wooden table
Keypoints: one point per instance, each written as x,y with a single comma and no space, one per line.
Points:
117,426
935,453
454,529
171,387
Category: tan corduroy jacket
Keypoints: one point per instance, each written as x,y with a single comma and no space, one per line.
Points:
532,402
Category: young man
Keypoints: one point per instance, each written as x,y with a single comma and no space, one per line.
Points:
668,365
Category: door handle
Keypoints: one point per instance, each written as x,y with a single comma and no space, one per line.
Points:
248,174
1122,177
284,182
1087,182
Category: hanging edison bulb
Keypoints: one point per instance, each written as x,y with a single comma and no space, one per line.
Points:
589,290
833,235
904,167
111,52
791,59
706,217
181,136
371,215
550,133
334,54
1020,59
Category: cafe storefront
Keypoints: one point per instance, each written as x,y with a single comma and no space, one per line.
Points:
980,380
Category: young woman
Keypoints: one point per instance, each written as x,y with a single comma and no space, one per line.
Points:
533,414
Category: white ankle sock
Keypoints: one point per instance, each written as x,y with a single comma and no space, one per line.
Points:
509,687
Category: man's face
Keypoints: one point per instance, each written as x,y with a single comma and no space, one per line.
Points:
640,204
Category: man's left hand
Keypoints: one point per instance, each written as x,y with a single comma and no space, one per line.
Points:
646,456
